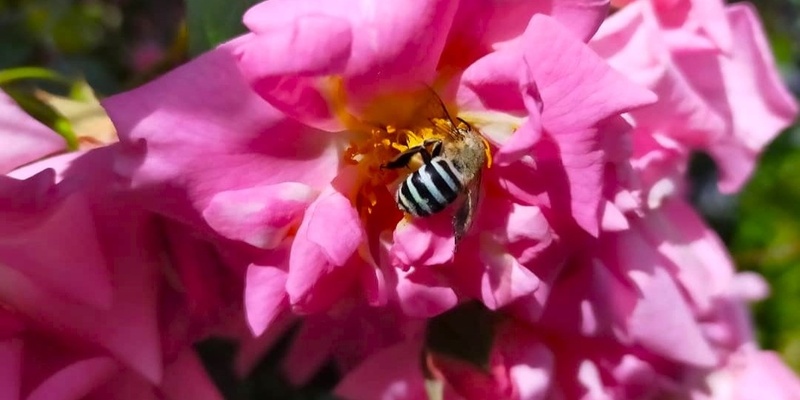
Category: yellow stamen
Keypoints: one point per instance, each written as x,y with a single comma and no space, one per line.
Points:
382,129
488,152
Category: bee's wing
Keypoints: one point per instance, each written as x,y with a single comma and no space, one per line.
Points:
463,218
434,110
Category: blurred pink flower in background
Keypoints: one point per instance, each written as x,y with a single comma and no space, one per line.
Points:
248,185
85,309
719,90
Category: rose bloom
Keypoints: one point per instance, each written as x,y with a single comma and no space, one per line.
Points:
282,150
272,147
85,309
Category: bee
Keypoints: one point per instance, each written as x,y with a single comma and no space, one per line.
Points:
451,171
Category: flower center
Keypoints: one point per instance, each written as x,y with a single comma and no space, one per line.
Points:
384,128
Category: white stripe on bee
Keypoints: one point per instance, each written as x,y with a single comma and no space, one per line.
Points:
447,178
427,180
418,201
404,203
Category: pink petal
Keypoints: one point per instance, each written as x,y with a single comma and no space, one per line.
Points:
200,272
531,364
582,17
131,332
126,327
504,280
334,226
637,376
492,82
700,258
522,181
329,235
396,44
126,386
521,143
769,106
697,18
128,330
317,44
576,86
591,300
374,284
482,26
24,139
750,286
11,369
391,374
591,382
200,130
661,321
732,103
11,324
424,241
729,324
287,85
259,216
422,294
631,43
613,218
526,223
58,163
41,243
765,376
264,296
76,380
577,90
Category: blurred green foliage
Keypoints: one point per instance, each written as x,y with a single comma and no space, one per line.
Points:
211,22
766,239
113,45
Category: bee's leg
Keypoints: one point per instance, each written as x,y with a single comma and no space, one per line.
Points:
402,159
426,156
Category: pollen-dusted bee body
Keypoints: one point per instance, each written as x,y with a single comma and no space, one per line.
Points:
451,167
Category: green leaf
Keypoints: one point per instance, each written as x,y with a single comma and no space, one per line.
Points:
14,74
211,22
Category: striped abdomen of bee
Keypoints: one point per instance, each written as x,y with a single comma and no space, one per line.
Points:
430,189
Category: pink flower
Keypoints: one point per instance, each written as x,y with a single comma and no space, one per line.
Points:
80,295
753,374
270,152
714,96
285,156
